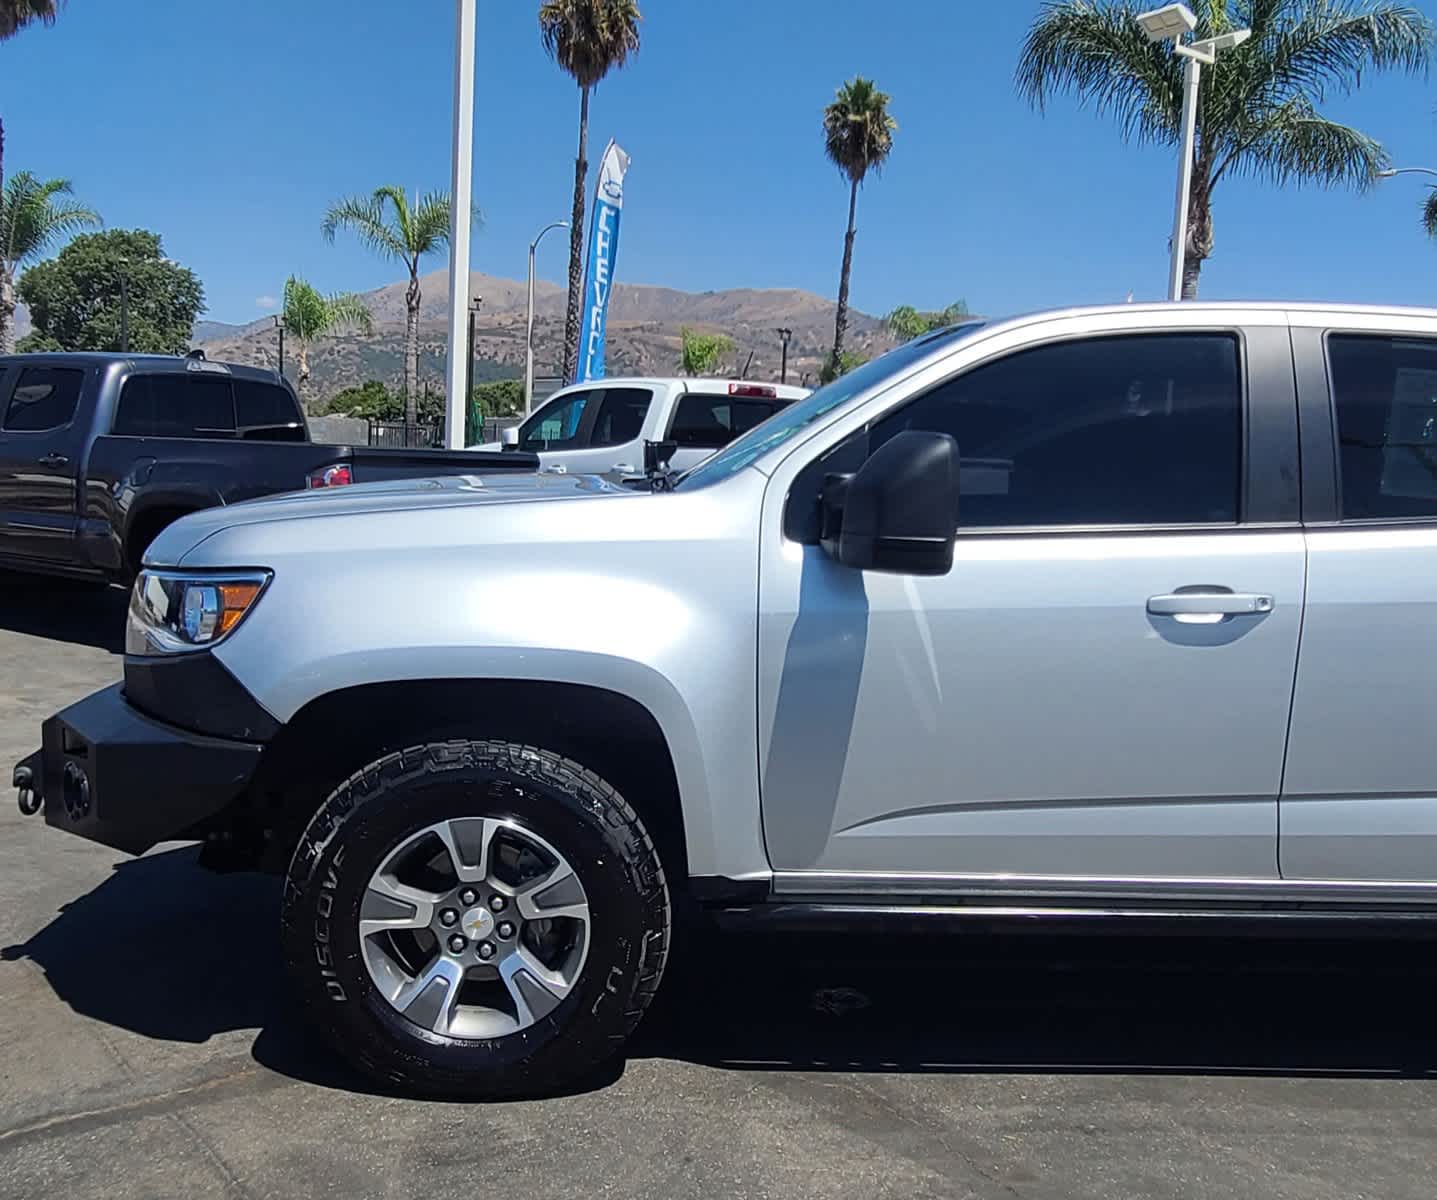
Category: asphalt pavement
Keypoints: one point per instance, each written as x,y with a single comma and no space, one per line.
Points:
149,1046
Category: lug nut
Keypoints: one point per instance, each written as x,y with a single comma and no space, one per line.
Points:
448,916
468,896
506,930
486,951
496,903
457,944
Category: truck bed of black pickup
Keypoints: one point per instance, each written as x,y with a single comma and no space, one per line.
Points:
99,452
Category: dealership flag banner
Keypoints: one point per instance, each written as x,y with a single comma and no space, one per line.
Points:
599,275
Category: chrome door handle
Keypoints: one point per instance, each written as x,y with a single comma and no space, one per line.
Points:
54,460
1208,604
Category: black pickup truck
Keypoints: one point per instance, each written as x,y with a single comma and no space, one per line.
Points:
99,452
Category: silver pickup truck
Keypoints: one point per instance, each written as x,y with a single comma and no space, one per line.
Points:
1121,613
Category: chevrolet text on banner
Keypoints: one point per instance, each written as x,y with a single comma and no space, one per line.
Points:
603,245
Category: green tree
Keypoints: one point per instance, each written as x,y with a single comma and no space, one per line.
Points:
370,399
701,351
75,297
857,137
307,316
1258,105
588,39
906,322
34,215
841,365
499,397
1429,214
393,228
14,16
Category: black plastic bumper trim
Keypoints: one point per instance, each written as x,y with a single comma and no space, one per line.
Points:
196,691
116,776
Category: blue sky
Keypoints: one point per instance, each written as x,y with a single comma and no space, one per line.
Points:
229,127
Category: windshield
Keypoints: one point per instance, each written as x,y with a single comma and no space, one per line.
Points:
798,416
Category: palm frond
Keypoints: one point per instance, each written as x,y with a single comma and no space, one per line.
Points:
590,38
307,315
348,309
1429,214
16,14
431,223
32,219
1299,145
364,217
1326,45
1096,52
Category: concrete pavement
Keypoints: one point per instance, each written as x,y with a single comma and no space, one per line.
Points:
149,1047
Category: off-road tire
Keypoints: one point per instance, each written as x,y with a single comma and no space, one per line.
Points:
580,815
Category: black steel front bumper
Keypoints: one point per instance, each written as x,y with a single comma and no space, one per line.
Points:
111,774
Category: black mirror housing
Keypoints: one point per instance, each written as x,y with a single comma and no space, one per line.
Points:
899,511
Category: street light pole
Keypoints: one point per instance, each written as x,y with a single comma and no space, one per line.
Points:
1392,171
279,325
529,318
1172,23
474,307
783,336
460,217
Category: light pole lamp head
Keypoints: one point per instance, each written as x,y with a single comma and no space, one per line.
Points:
1167,24
1224,41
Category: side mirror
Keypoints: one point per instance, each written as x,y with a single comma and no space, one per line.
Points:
509,438
657,455
899,511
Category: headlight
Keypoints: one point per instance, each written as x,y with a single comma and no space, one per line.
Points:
174,612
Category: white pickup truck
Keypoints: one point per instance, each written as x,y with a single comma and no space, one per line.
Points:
600,427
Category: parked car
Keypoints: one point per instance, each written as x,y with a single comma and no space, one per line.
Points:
100,452
1161,655
599,428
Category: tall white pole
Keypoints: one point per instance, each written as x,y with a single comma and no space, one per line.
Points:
462,206
529,336
1192,76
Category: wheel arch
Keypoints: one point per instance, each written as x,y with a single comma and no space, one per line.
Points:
337,733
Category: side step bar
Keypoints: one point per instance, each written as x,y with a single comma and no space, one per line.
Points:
831,917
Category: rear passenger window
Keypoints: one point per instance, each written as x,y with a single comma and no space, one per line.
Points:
1133,430
265,408
710,422
44,398
176,405
1385,390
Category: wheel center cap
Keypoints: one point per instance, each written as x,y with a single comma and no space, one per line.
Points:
478,923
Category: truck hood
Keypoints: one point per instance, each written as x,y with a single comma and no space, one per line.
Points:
391,496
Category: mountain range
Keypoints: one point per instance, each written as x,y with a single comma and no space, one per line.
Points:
643,333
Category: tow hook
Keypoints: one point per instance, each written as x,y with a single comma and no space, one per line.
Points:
30,799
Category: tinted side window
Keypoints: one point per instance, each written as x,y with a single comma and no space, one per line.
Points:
261,406
44,398
558,426
1386,394
713,421
620,416
176,405
1132,430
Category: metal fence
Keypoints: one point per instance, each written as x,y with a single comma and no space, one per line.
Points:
400,436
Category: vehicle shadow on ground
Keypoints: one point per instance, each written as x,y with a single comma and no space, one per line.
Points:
169,951
63,610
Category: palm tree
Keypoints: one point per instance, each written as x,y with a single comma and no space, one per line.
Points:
1258,105
307,316
14,16
33,216
858,136
588,39
906,322
1429,213
393,228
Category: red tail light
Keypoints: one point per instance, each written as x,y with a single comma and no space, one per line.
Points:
757,390
335,476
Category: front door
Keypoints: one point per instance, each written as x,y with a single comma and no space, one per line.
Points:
41,445
590,431
1100,688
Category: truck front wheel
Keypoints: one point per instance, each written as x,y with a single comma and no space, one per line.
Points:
476,918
